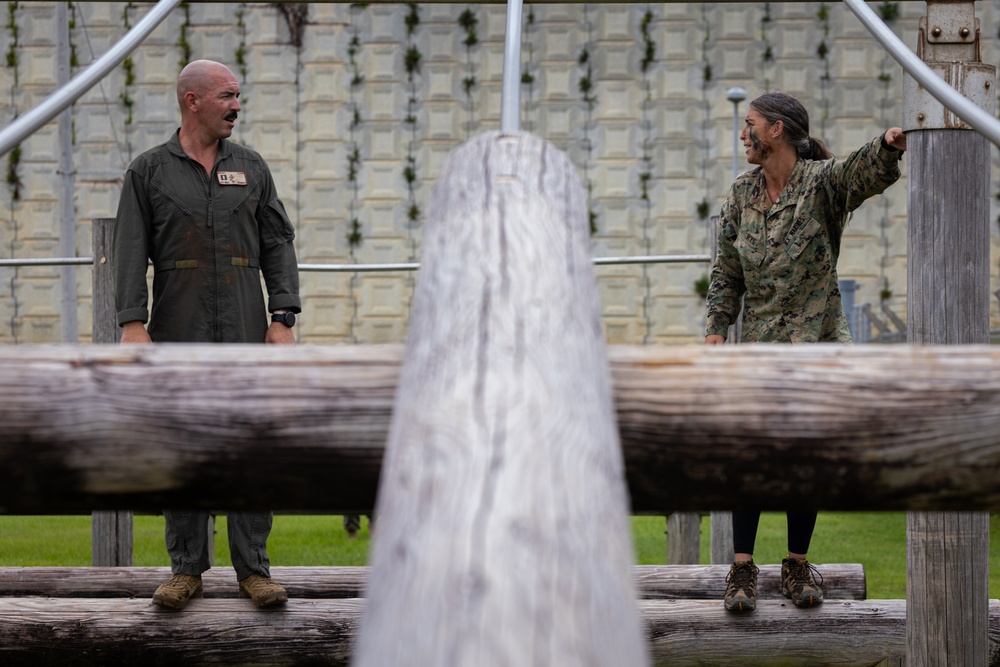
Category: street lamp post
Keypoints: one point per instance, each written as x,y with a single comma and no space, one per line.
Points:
736,95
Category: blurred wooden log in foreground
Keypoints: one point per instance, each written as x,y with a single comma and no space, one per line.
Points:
503,521
213,426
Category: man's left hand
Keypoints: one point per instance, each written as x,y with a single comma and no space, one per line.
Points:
279,334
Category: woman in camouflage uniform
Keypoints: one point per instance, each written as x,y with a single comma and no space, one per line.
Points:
779,240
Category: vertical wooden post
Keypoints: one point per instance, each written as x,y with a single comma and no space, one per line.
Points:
721,541
721,523
111,532
948,277
504,534
684,538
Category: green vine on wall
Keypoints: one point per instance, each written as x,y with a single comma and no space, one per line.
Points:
468,22
182,41
354,236
411,63
240,57
13,57
702,207
646,61
74,61
13,60
767,52
889,11
296,16
586,86
128,80
823,53
527,77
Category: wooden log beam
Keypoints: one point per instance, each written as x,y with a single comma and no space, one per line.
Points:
44,632
67,632
841,581
862,427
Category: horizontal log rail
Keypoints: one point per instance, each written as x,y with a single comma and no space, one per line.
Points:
842,581
304,428
67,632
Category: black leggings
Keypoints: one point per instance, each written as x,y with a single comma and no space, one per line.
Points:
800,530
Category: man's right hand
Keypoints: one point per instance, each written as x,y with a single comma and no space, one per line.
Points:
714,339
135,332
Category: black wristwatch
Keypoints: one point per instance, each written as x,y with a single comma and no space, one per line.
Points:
287,318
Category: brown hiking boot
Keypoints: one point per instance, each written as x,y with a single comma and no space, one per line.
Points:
741,587
264,591
175,593
798,582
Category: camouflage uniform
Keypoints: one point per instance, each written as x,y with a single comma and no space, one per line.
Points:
783,257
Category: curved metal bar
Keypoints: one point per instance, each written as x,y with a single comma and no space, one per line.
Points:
980,120
25,125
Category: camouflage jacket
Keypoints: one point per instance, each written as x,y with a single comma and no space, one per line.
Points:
210,240
782,258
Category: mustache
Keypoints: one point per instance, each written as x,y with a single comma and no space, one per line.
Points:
231,116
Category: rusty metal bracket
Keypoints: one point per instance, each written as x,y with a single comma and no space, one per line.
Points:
949,32
921,111
948,42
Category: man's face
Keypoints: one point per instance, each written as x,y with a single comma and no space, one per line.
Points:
756,137
220,105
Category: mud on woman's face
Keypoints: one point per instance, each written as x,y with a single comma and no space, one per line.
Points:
760,149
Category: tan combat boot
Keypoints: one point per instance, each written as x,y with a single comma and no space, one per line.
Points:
264,591
175,593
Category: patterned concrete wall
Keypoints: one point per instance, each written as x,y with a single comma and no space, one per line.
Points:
357,120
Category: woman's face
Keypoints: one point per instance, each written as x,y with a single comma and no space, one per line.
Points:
757,137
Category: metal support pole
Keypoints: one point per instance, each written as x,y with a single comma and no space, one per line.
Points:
67,217
948,254
736,95
510,92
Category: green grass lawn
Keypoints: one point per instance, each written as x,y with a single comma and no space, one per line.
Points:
875,539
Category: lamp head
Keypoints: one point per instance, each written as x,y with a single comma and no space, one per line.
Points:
736,94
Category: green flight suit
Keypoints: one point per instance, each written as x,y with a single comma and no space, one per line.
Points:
210,239
209,244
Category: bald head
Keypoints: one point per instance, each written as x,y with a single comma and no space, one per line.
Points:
209,97
201,76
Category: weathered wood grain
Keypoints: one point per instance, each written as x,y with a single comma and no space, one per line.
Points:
833,427
53,632
209,426
688,633
948,303
503,532
111,531
320,582
42,632
841,581
683,538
